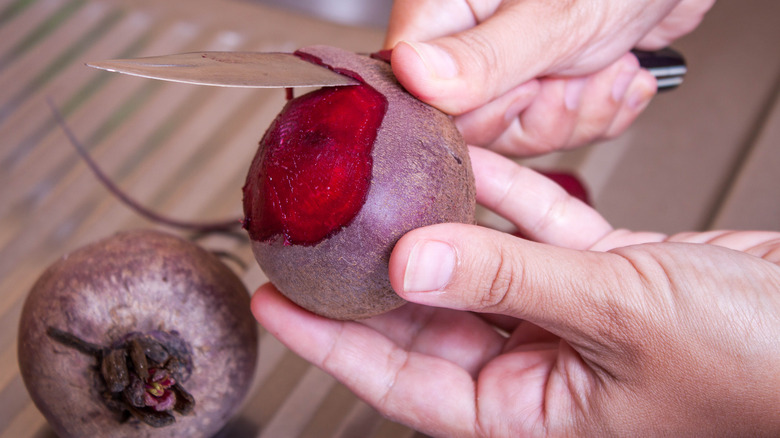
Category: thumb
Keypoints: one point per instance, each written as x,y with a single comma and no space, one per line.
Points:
444,75
462,71
467,267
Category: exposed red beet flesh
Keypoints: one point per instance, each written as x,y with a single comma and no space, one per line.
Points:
571,183
316,169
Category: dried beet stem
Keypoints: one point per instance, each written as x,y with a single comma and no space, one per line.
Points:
149,385
114,370
73,341
125,198
138,357
152,418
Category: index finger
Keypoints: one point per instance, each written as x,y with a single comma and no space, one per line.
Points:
540,208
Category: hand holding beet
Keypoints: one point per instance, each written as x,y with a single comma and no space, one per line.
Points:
139,334
610,333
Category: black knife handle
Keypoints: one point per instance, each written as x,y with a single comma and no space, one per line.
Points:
667,65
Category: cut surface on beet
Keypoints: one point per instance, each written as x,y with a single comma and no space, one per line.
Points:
316,169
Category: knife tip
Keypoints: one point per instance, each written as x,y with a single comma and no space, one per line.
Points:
100,65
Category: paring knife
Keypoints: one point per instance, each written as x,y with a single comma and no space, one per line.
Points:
284,70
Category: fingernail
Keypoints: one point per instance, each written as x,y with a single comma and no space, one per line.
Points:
522,97
437,60
573,93
640,95
429,267
637,100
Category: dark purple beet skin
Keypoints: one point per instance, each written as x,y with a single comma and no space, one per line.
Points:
144,282
340,176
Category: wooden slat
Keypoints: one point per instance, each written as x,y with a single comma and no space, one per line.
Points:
27,423
13,401
302,403
361,421
14,32
753,201
337,404
18,77
28,122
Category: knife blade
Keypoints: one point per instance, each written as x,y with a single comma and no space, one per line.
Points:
284,70
229,69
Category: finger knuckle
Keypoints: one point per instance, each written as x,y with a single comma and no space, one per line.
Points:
553,214
527,138
483,50
398,362
502,285
594,129
637,314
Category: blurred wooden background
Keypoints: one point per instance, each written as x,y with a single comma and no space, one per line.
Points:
704,156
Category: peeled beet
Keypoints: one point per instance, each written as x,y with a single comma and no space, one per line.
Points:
143,285
340,176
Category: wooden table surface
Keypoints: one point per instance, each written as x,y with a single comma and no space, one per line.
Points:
704,156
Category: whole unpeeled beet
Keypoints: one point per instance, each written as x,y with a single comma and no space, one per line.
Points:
340,176
136,282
